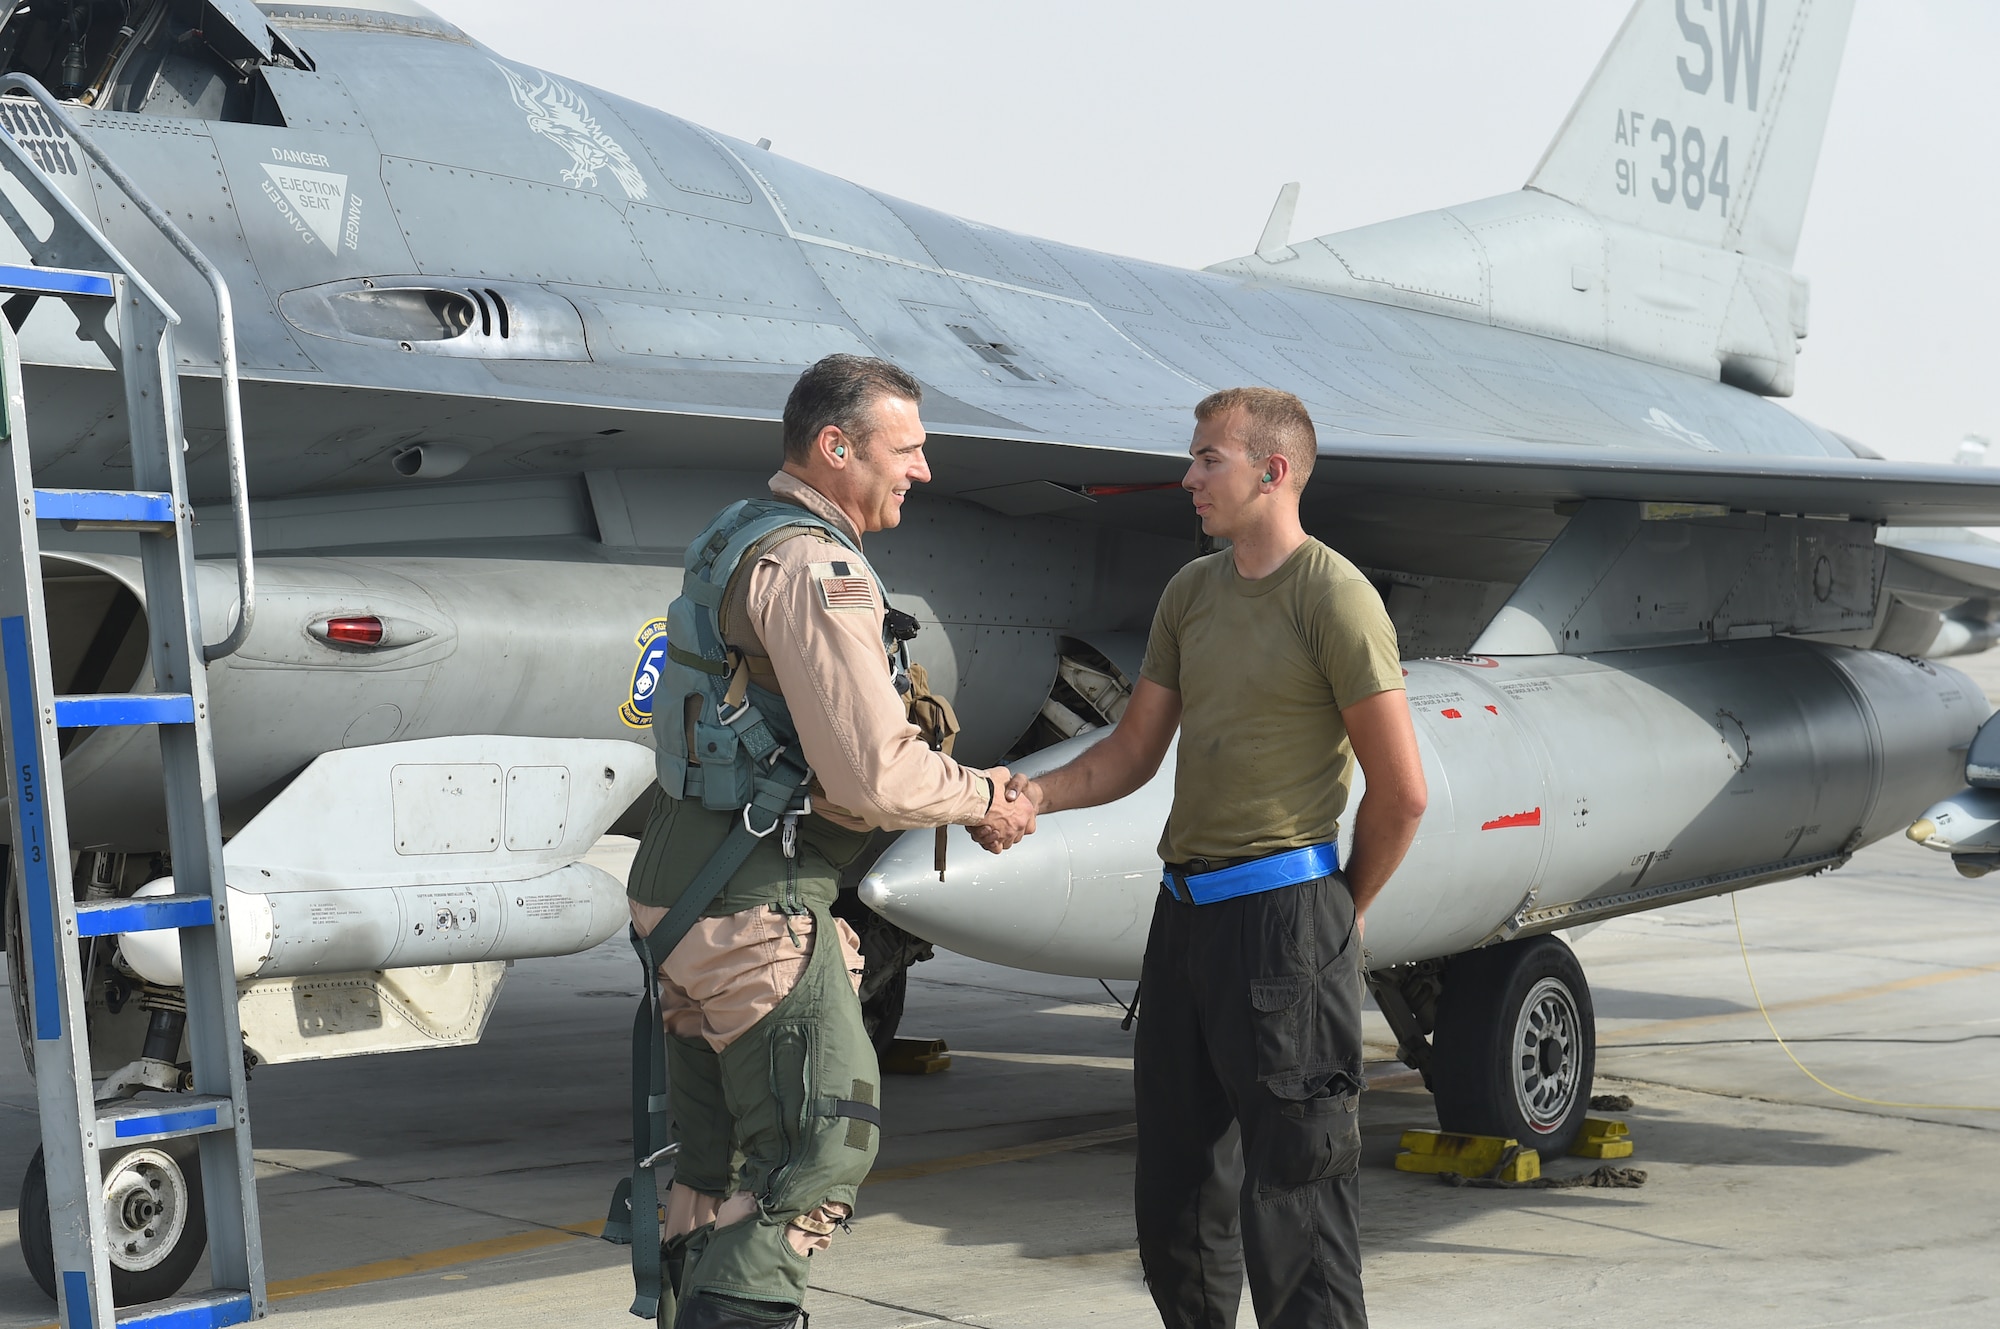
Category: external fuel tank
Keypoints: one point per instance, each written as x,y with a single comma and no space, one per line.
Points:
1563,789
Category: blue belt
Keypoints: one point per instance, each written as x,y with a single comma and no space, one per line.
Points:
1288,868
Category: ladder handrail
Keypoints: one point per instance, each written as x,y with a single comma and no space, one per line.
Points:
232,403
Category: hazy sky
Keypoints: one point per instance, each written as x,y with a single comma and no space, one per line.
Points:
1163,131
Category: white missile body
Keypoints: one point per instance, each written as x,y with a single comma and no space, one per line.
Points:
434,852
1966,823
1563,789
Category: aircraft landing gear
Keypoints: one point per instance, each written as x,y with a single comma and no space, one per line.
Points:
1516,1044
152,1210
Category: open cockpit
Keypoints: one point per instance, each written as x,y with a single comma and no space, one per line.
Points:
196,59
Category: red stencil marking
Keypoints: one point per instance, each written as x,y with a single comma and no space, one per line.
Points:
1533,818
1451,715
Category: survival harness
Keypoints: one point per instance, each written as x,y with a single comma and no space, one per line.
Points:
746,760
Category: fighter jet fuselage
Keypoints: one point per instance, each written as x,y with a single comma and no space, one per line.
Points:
508,341
485,311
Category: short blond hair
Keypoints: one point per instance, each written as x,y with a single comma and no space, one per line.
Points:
1275,422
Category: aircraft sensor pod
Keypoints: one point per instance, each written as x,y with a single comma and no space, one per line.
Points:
290,934
441,851
1563,790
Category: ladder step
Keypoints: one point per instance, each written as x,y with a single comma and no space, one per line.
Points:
152,913
223,1306
110,710
211,1310
53,281
106,509
135,1120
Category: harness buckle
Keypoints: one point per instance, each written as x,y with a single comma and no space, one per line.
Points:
775,823
788,843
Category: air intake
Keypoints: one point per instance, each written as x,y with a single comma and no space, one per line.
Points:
426,316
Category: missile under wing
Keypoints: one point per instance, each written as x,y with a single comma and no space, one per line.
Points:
508,341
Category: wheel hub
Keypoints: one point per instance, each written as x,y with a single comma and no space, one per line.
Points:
145,1208
1548,1038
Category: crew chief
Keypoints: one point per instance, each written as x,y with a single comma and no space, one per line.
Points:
757,1011
1277,661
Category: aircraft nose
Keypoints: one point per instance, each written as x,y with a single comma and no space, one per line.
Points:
1003,907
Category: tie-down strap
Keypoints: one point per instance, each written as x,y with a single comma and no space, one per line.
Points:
860,1113
850,1107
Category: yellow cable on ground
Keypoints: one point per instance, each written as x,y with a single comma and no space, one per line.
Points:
1873,1102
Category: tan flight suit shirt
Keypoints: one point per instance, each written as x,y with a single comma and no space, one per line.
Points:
809,618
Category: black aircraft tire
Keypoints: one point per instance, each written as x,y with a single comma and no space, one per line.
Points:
1516,1045
36,1247
177,1166
16,928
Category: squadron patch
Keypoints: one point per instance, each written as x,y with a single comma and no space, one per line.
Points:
637,712
842,588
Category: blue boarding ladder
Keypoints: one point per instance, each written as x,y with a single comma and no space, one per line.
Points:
97,282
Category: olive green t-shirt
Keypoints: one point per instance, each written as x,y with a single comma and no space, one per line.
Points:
1263,668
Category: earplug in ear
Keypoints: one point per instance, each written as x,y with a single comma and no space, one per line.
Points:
840,451
1267,477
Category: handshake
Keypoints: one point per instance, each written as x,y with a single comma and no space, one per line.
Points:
1011,818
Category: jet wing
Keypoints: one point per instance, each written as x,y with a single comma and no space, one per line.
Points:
1018,474
1898,493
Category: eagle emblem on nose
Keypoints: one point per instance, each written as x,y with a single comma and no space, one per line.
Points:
559,114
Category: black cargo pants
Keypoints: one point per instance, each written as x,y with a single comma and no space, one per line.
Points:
1252,1022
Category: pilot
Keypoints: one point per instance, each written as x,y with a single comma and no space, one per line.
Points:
1276,660
766,1052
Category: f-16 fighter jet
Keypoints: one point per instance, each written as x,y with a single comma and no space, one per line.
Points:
509,341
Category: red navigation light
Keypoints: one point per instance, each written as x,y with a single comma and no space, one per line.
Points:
361,630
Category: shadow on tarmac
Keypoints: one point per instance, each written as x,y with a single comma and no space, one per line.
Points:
417,1152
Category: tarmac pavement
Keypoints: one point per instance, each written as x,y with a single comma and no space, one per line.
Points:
458,1187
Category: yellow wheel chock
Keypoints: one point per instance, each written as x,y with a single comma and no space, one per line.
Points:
916,1056
1467,1155
1602,1138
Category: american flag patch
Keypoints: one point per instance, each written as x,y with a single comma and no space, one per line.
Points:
847,593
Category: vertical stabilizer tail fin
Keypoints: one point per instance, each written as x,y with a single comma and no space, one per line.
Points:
1661,223
1703,122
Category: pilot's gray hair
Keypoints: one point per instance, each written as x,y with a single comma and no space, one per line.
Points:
841,390
1274,421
